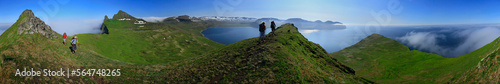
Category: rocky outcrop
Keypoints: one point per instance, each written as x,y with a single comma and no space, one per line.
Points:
106,17
30,24
104,28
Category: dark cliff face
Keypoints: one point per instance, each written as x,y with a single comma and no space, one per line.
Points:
104,28
30,24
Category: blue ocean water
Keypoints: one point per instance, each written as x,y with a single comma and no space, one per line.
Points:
442,40
228,35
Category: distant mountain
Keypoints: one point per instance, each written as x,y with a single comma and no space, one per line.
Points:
267,20
254,22
182,18
301,23
228,19
121,15
296,20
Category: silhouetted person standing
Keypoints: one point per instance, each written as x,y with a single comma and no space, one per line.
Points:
262,29
273,26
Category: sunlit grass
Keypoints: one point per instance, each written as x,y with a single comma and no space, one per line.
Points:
384,60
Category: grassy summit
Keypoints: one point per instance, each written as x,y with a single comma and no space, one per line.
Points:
285,57
384,60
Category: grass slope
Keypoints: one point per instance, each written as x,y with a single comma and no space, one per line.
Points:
152,44
37,52
384,60
486,71
285,57
140,53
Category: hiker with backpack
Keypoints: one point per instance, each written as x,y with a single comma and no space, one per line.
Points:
273,26
262,29
74,41
64,38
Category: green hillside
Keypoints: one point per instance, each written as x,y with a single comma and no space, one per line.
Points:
19,51
486,71
152,44
175,51
285,57
384,60
169,52
138,51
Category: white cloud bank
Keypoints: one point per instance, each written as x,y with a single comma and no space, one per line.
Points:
153,19
307,32
72,27
474,39
4,26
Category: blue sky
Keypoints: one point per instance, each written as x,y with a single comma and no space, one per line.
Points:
346,11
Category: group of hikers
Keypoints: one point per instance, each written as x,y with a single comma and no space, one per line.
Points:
262,30
74,41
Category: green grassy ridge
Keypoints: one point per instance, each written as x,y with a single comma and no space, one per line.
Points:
164,41
486,71
385,60
155,43
35,51
285,57
46,51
